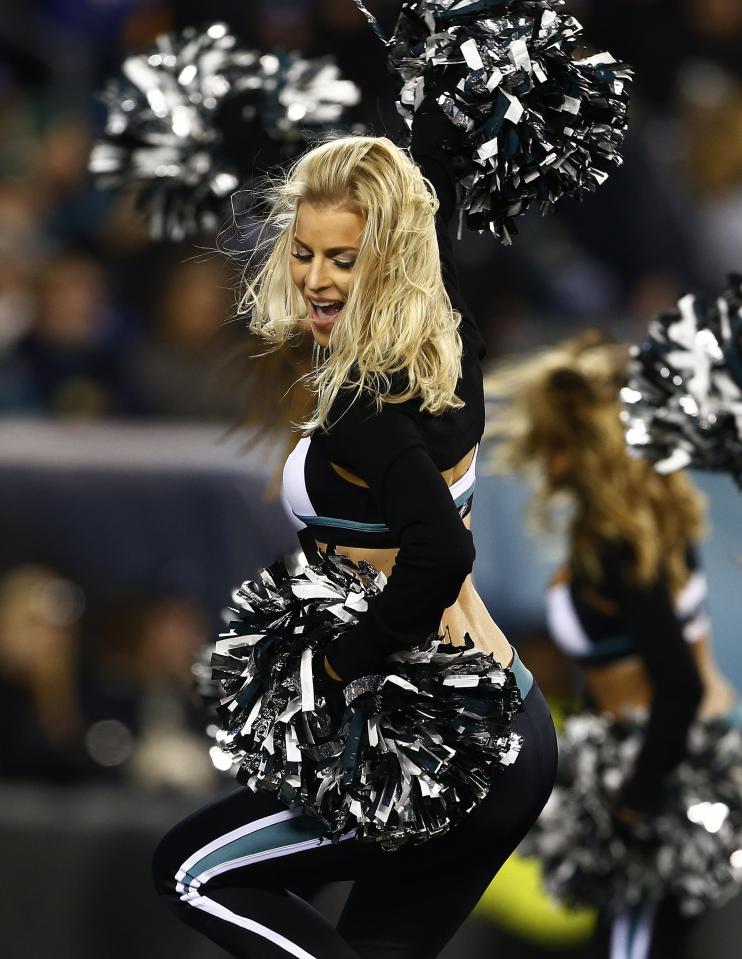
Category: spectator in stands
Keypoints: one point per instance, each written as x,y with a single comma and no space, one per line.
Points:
714,124
70,356
177,371
41,727
285,23
147,722
21,247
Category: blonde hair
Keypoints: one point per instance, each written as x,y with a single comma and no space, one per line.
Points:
398,317
566,400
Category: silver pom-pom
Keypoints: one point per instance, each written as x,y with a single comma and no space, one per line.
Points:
683,400
539,121
691,850
166,134
397,757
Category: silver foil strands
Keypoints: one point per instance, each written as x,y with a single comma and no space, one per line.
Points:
414,749
166,138
690,850
683,401
539,121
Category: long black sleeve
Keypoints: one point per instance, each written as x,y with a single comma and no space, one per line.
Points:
648,615
386,449
436,550
433,138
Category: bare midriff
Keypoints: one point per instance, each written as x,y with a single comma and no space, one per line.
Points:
468,614
617,688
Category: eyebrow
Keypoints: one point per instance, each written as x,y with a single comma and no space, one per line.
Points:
333,252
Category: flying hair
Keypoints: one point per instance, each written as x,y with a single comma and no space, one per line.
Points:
398,336
564,402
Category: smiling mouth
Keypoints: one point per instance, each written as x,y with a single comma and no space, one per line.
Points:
324,313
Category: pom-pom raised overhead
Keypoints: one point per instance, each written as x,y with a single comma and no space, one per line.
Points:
536,121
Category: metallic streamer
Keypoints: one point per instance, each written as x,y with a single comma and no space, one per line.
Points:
166,139
407,754
689,850
683,400
539,121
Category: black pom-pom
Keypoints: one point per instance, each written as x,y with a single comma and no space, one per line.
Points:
169,136
415,749
690,850
683,401
541,121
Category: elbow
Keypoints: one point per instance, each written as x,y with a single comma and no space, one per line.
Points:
456,561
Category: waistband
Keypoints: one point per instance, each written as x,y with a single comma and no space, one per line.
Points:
523,675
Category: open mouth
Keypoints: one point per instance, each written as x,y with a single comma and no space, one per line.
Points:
326,311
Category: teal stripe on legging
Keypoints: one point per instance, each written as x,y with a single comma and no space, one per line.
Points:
274,836
523,675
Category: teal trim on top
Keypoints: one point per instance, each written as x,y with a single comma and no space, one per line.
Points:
337,523
343,523
463,497
610,647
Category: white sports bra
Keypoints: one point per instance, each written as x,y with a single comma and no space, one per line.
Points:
581,634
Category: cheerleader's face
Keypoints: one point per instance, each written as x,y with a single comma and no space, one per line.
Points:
323,254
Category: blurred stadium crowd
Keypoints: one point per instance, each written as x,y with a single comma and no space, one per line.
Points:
97,323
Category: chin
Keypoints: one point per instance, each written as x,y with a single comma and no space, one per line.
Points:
322,337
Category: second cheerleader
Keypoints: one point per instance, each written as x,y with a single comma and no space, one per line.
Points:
646,816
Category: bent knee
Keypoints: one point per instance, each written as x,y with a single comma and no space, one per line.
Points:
167,861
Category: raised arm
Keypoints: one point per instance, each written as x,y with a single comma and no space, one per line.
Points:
430,131
436,550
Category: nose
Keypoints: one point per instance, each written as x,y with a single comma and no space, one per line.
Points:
316,278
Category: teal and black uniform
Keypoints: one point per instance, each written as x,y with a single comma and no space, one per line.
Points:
237,869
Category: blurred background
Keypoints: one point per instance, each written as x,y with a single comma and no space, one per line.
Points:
131,502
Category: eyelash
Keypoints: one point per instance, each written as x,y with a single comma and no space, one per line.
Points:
306,257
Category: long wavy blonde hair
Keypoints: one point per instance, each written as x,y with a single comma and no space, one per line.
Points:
563,404
398,317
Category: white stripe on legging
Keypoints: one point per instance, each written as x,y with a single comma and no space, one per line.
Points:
193,898
254,857
631,934
230,837
221,912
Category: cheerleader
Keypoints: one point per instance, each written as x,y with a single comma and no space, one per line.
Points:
629,607
385,475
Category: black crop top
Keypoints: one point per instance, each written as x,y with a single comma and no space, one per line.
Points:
613,618
590,621
400,453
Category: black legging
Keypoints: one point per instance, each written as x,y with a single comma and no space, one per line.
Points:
649,931
232,870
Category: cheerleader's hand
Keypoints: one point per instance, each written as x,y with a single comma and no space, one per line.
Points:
328,685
